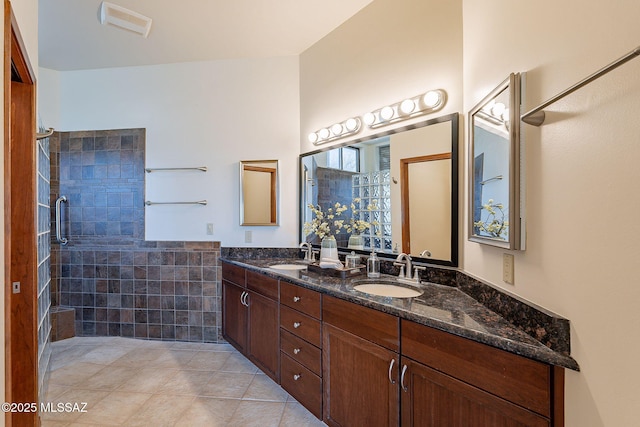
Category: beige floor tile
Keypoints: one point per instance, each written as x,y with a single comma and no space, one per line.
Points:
148,380
160,411
74,374
296,415
54,391
140,357
229,385
109,378
64,356
258,414
264,388
115,408
73,396
238,363
173,358
208,360
186,383
105,354
52,423
208,411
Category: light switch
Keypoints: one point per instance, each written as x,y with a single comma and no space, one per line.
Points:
210,228
248,236
507,268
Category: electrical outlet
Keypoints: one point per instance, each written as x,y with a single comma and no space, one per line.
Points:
210,228
508,268
248,237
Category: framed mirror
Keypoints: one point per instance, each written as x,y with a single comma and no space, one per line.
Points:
494,167
399,188
259,192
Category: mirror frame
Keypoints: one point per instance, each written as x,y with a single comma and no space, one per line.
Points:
275,193
514,242
453,118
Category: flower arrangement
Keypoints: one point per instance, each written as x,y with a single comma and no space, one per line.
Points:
331,222
495,224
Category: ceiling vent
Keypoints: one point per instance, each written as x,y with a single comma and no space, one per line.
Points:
124,18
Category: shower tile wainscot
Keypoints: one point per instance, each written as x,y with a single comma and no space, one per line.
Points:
155,290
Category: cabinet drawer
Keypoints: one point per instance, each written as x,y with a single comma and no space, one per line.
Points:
263,285
302,384
375,326
301,299
301,351
233,273
301,325
517,379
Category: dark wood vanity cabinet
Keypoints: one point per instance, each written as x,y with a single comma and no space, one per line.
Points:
361,363
301,345
352,365
250,316
449,380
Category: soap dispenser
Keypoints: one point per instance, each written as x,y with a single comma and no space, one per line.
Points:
373,266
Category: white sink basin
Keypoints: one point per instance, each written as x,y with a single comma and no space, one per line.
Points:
288,267
388,290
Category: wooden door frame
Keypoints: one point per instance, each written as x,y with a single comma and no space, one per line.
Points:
404,193
20,203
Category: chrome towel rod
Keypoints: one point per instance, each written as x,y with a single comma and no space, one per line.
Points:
199,202
495,178
536,116
201,168
44,135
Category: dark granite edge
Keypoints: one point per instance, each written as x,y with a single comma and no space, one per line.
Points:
541,352
544,326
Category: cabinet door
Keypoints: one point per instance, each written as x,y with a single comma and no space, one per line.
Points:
357,386
234,316
433,399
264,334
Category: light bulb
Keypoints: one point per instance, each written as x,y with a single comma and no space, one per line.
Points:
323,133
386,113
407,106
498,109
336,129
369,118
313,137
431,99
351,124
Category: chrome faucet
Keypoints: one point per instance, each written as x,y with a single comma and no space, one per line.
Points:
407,262
308,256
413,273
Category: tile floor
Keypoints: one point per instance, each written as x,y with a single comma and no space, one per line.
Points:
153,383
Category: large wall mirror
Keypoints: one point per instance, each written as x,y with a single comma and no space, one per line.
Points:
259,192
401,184
494,167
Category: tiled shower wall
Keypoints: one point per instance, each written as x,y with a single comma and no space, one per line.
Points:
119,283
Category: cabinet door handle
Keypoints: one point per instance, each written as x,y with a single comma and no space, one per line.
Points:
296,299
404,371
296,377
296,325
243,298
391,380
296,350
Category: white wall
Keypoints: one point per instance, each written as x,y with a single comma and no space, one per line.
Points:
390,50
210,114
582,177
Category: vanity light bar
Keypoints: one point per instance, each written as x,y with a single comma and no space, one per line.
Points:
338,130
419,105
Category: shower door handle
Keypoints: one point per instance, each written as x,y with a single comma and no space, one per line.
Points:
59,238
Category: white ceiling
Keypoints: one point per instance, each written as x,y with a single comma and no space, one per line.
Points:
71,37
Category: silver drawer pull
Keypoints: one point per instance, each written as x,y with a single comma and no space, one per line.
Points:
296,299
296,325
296,377
296,350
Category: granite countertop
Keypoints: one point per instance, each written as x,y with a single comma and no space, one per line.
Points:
442,307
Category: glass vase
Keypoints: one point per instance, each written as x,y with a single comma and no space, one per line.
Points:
329,249
356,241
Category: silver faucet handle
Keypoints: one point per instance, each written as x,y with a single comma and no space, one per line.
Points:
313,255
401,265
416,272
